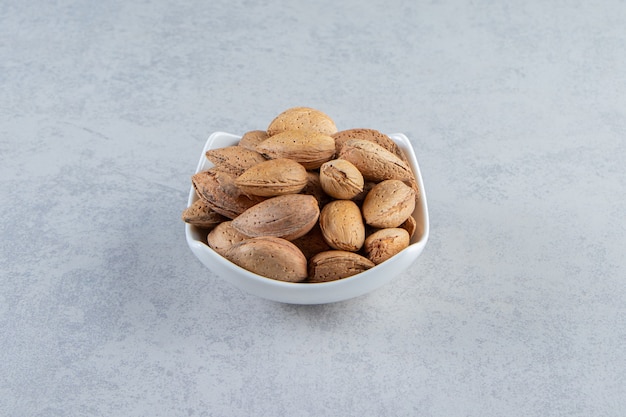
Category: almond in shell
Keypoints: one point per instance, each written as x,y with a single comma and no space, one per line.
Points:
342,225
337,264
367,186
388,204
368,134
341,179
200,214
250,139
288,216
410,225
385,243
234,159
375,162
302,118
273,177
309,148
314,187
312,243
270,257
218,190
223,236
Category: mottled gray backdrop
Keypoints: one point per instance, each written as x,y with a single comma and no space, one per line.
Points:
517,111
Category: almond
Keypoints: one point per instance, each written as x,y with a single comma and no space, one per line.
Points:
312,243
336,264
385,243
368,134
410,225
342,225
375,162
311,149
302,118
314,187
234,159
223,236
341,179
367,187
270,257
200,214
219,191
388,204
289,216
250,139
273,177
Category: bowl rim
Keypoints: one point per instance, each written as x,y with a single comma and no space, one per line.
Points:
295,291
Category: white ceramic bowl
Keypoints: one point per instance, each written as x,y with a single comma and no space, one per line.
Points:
309,293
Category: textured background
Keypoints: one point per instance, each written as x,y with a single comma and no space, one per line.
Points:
517,111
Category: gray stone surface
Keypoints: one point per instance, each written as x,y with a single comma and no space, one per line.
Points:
517,111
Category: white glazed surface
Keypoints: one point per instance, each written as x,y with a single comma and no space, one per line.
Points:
308,293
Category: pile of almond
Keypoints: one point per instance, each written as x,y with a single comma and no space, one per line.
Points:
303,202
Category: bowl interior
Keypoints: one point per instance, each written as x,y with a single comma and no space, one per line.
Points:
310,293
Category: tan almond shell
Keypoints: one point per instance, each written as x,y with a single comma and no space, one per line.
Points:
311,149
367,186
336,264
314,187
388,204
302,118
273,177
288,216
218,190
271,257
223,236
342,225
379,138
410,225
385,243
200,214
372,135
341,179
250,139
375,162
234,159
312,243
